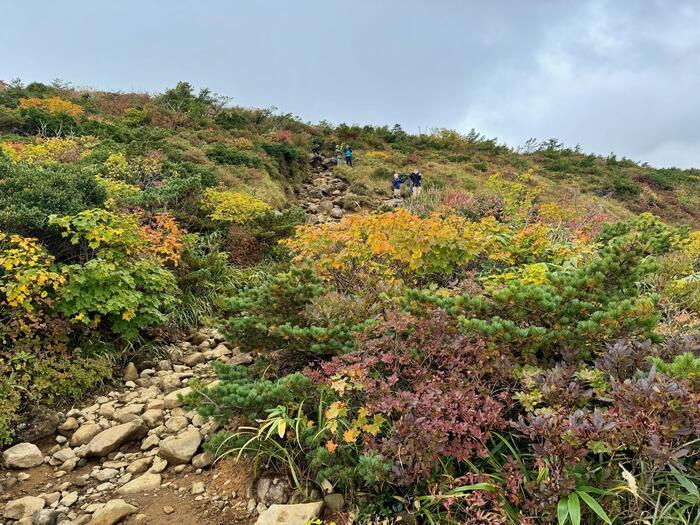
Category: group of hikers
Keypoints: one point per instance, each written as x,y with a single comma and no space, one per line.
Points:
416,183
415,176
340,152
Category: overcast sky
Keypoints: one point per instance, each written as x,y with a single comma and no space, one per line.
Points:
619,75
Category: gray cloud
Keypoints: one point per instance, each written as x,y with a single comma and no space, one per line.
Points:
617,76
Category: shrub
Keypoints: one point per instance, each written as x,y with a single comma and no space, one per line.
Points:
575,309
123,298
28,195
232,206
222,154
52,105
271,317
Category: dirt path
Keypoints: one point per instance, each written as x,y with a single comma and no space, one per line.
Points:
135,444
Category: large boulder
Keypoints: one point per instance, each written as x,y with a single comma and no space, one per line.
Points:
113,512
179,450
38,423
22,455
111,439
299,514
23,507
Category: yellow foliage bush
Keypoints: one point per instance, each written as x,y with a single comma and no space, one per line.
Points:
51,150
233,206
53,105
401,245
26,274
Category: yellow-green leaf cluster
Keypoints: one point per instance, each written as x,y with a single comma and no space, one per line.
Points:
233,206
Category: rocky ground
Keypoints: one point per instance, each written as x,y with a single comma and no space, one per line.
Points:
328,197
134,455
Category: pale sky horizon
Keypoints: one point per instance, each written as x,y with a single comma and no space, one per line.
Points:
613,76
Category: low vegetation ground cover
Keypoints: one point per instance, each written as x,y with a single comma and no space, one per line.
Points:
519,344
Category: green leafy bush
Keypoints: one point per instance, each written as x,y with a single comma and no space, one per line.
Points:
29,194
222,154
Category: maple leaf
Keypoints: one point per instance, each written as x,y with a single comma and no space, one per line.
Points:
350,435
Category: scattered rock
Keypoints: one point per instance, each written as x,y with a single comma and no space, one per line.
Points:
23,455
180,449
140,465
194,359
197,488
45,517
152,417
272,490
69,499
335,502
168,509
298,514
112,438
114,511
68,426
145,483
105,474
150,442
84,434
23,507
176,423
130,372
198,338
203,460
159,465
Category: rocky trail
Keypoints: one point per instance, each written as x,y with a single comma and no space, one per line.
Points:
328,197
134,455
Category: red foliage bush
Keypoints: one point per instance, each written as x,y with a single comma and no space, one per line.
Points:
436,387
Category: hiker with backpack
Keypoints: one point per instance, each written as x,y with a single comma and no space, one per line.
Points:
315,146
348,155
416,183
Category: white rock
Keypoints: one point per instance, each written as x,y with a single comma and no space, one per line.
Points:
180,449
23,507
112,438
113,512
69,499
23,455
144,483
84,434
298,514
159,465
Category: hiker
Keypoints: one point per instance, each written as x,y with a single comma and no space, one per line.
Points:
348,155
416,183
338,155
315,146
396,183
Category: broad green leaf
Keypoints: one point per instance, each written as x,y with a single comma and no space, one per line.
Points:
687,484
594,506
563,510
574,509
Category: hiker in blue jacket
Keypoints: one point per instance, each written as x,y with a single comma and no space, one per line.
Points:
348,155
416,183
396,183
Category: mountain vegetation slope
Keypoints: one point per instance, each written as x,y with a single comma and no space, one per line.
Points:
517,344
